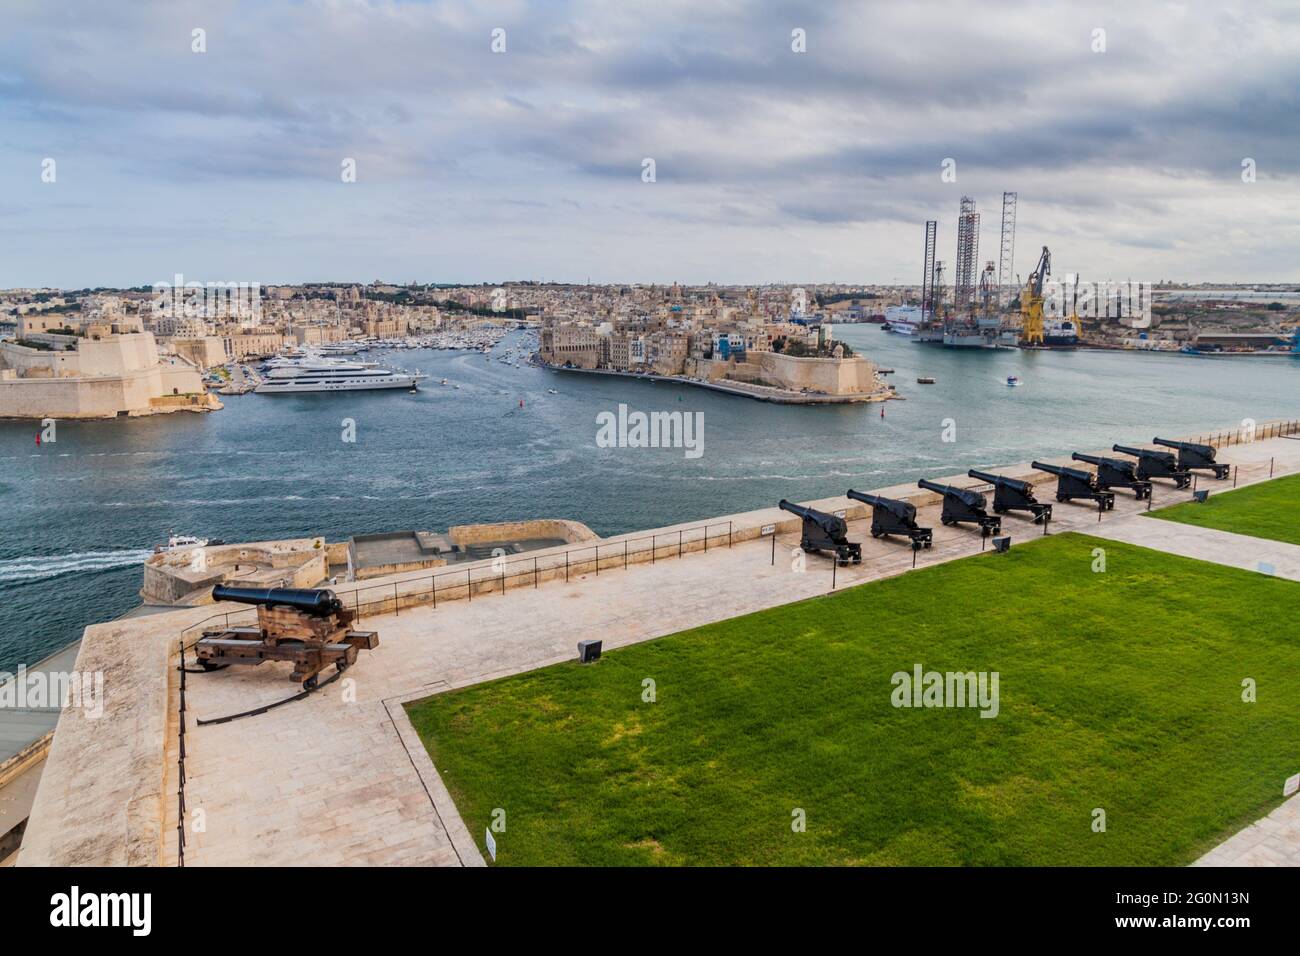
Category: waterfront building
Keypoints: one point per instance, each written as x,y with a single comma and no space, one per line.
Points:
101,377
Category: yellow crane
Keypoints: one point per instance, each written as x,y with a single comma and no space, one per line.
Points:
1031,301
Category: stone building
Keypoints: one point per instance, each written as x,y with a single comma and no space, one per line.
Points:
113,376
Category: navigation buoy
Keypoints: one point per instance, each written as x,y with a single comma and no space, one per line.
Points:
882,410
38,438
521,403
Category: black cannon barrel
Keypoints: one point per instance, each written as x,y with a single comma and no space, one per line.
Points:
1136,452
1061,470
1101,461
1152,453
904,509
1023,487
1206,451
794,509
968,497
315,601
1192,445
831,524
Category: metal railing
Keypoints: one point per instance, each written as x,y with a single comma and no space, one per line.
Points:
180,770
1241,436
503,574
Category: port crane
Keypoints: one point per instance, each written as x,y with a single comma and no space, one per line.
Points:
1031,300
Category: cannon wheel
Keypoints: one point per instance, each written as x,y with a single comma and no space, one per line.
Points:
1061,498
876,534
311,682
212,665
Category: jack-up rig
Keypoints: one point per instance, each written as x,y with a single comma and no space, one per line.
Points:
988,311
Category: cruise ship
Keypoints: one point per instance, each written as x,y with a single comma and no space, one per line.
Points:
334,377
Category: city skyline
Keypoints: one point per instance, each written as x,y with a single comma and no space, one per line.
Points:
770,165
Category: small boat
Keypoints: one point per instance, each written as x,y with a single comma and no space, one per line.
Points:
551,391
925,380
1012,380
179,542
444,382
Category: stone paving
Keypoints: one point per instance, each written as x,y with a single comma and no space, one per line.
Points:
337,779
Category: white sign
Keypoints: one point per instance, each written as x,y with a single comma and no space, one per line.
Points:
491,844
1291,786
767,529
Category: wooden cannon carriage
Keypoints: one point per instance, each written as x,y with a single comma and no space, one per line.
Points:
310,628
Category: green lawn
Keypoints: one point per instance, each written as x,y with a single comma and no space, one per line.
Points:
1270,509
1119,690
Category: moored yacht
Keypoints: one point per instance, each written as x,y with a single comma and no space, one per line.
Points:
334,377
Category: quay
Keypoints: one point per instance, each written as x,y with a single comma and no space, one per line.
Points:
340,777
763,393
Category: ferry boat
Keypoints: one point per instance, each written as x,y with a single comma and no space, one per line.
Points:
336,377
902,319
1061,334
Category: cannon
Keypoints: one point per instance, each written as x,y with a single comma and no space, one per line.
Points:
962,504
308,627
1192,455
1156,464
1074,483
891,516
1012,494
1117,473
318,602
823,532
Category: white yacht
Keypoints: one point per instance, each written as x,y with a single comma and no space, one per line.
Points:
334,377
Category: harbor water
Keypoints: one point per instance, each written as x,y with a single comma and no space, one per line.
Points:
81,514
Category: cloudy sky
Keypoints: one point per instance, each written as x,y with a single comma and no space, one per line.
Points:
770,165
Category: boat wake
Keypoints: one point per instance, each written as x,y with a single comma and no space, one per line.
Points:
38,568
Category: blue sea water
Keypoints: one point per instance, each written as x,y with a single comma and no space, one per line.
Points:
80,515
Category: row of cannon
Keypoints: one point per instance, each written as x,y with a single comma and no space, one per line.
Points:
893,516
